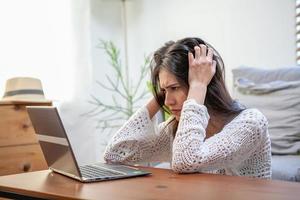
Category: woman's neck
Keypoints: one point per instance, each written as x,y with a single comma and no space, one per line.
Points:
216,123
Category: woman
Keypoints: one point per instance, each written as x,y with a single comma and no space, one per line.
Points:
208,131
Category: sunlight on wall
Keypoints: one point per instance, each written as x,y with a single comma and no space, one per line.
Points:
36,40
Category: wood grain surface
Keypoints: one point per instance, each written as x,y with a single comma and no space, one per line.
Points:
162,184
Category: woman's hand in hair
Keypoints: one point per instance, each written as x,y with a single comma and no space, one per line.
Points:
202,68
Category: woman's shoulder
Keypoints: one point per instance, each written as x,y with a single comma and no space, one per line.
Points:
249,123
251,116
253,113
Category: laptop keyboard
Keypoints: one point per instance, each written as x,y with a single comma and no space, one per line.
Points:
90,171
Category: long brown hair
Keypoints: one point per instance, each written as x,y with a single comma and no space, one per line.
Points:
173,56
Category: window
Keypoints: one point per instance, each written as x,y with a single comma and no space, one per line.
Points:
298,31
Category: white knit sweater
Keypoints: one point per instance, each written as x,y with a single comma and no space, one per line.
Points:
242,147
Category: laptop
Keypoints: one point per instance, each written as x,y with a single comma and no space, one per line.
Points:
59,155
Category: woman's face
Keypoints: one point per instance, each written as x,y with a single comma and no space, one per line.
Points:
175,94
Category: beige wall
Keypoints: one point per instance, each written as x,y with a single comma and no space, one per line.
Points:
257,33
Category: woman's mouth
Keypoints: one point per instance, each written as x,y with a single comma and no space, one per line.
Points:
175,111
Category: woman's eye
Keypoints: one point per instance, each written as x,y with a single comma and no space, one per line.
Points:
174,88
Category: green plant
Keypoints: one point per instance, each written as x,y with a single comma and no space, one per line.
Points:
125,95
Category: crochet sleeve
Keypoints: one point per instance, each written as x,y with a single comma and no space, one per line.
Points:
139,140
228,148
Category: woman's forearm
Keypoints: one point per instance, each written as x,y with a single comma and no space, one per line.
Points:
197,91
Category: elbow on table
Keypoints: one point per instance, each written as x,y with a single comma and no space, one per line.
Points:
108,158
180,167
180,164
112,158
178,170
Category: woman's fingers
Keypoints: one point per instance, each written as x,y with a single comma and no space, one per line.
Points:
214,65
197,52
191,58
210,54
203,50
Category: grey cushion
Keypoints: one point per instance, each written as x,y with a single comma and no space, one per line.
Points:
266,75
286,167
276,93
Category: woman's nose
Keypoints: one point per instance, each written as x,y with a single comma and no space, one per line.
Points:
169,100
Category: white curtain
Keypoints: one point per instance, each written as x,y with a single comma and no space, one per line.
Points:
81,129
50,40
36,40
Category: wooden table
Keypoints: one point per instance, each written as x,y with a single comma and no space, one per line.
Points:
162,184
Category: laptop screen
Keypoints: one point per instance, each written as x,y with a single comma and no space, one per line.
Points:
53,139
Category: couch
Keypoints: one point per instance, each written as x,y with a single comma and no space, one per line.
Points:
276,93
